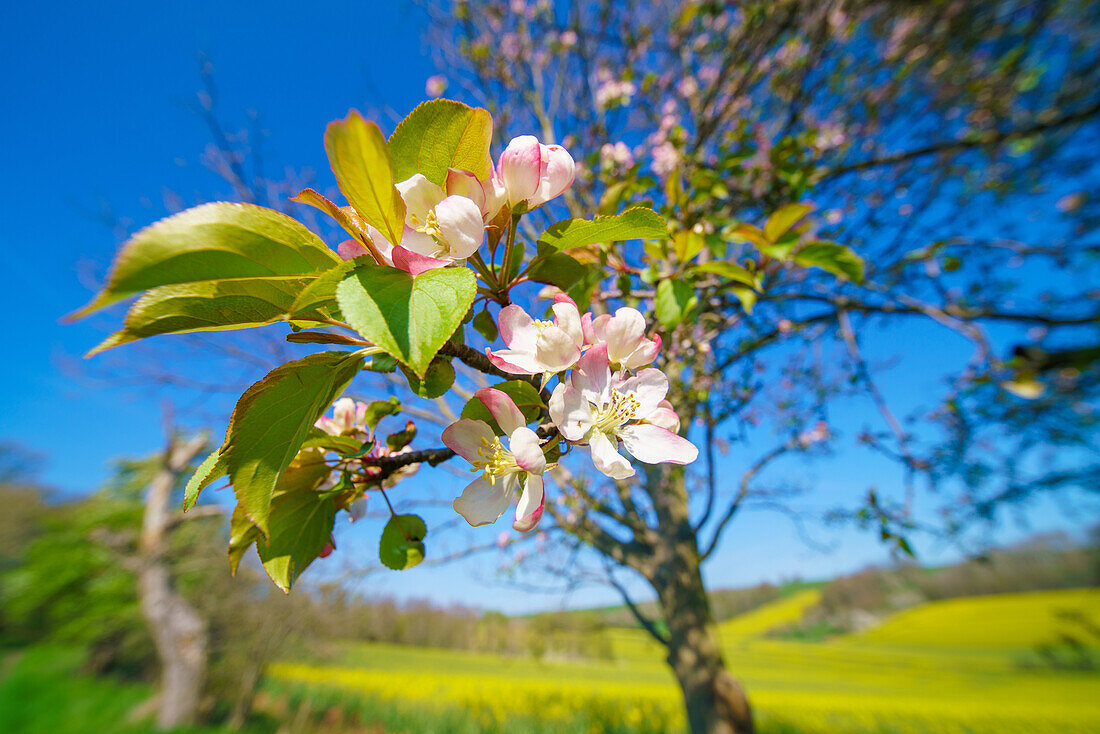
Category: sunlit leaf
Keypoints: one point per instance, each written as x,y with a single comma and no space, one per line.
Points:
360,159
633,224
442,134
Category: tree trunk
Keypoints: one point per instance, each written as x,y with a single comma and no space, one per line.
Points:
714,701
177,629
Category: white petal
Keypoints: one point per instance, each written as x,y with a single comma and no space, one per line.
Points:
465,437
648,387
517,328
343,412
502,408
607,459
515,361
419,242
465,184
623,333
460,221
555,350
524,445
482,503
530,506
557,173
665,417
570,412
568,318
592,375
420,196
656,445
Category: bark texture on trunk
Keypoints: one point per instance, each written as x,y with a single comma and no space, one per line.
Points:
715,702
178,631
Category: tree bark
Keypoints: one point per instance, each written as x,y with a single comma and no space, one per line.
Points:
178,631
714,701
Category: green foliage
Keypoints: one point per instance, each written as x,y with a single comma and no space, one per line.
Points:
410,318
839,260
633,224
442,134
300,524
437,380
782,219
210,305
401,546
379,409
523,393
272,420
731,271
213,242
675,298
213,467
360,159
558,269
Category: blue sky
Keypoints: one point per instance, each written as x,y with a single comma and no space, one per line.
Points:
94,111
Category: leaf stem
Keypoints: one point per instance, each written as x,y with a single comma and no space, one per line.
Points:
506,261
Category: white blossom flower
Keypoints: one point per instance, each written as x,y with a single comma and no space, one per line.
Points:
349,417
596,408
538,347
504,467
624,334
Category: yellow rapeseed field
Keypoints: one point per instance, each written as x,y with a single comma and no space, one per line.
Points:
858,683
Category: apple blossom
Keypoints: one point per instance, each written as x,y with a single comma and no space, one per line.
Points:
601,409
504,468
348,417
539,347
439,226
531,173
624,334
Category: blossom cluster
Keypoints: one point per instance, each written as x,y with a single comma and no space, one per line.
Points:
445,224
606,395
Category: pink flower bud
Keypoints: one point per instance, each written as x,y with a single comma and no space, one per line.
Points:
533,173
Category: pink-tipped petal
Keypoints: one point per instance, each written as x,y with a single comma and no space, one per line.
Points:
520,168
646,352
656,445
517,328
557,174
482,503
502,408
556,350
568,319
343,413
524,445
514,361
623,333
593,375
414,263
464,183
466,437
607,459
586,329
665,417
350,249
531,504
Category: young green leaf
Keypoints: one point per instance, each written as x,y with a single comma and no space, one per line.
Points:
484,324
360,159
673,301
410,318
558,269
401,545
730,271
836,259
210,305
272,420
213,467
783,218
379,409
437,381
633,224
242,534
216,241
300,525
320,294
442,134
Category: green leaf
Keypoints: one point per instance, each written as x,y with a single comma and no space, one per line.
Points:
687,244
379,409
747,296
320,294
836,259
438,380
442,134
633,224
209,305
745,232
242,534
360,159
401,545
218,241
401,439
410,318
300,525
523,394
730,271
381,362
212,468
783,218
343,445
272,420
557,269
484,324
673,301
